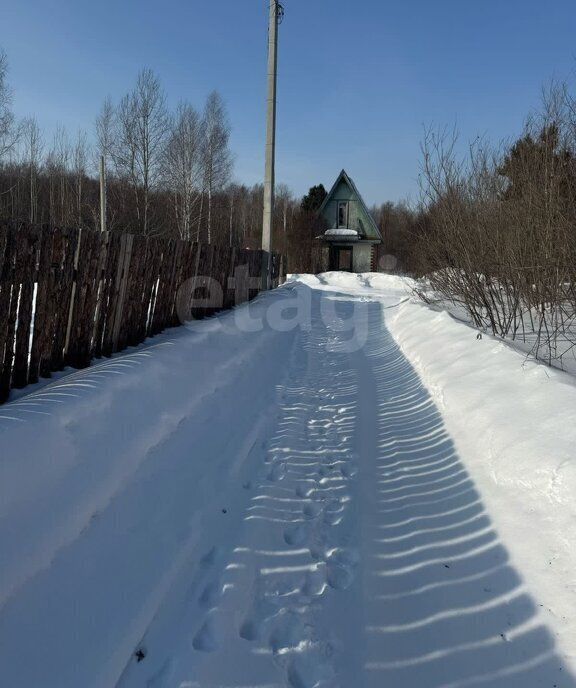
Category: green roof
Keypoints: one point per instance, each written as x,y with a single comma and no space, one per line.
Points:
366,222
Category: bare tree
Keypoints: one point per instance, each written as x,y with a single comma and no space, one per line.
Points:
62,154
9,132
80,161
105,129
142,126
234,194
216,157
32,153
182,169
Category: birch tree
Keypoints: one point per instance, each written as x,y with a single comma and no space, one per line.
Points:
142,126
33,146
216,157
284,204
105,141
182,166
8,130
105,129
80,161
62,154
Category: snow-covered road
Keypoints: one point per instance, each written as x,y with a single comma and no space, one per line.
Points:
249,503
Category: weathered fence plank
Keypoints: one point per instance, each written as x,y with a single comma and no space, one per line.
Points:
39,328
120,288
64,293
101,298
54,246
108,303
6,302
155,266
28,240
83,307
173,285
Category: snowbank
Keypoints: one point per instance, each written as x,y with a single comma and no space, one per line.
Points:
244,500
514,424
104,476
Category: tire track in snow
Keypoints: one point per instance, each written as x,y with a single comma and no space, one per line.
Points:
393,574
295,549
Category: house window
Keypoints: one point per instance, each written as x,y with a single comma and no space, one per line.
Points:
342,214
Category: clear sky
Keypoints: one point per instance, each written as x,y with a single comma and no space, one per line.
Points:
358,80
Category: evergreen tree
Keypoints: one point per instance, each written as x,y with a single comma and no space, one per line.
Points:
539,163
314,198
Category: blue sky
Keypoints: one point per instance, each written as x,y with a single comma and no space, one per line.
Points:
358,81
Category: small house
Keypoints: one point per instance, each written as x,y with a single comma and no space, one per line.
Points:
352,232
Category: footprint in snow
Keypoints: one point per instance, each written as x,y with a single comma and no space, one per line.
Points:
288,633
306,661
317,496
340,565
326,470
273,457
311,668
332,519
252,629
318,552
303,491
349,470
312,510
332,435
315,582
339,577
334,512
162,677
346,557
334,505
211,557
256,624
296,535
206,638
277,473
211,595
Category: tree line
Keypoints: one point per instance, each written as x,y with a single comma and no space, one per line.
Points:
168,173
164,169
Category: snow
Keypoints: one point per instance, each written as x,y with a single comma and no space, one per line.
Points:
553,341
331,486
348,233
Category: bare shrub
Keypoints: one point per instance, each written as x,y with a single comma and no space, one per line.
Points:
499,238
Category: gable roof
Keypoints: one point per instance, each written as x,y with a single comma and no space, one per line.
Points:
344,177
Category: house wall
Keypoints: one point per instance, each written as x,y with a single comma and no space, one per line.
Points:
356,214
330,212
361,257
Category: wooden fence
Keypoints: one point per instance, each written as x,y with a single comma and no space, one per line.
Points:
68,295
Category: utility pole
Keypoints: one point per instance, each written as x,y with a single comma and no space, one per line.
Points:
102,195
275,16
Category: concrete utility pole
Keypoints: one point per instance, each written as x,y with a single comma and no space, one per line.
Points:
276,12
102,195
